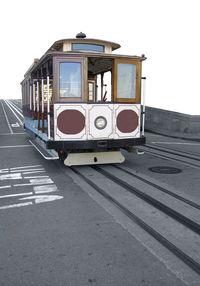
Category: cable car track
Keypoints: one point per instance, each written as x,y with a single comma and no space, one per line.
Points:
174,149
195,227
192,263
191,203
164,152
173,153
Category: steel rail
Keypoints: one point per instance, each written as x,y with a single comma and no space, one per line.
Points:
171,152
166,243
191,203
171,159
174,149
195,227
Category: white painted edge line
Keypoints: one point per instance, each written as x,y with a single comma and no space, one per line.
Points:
16,195
12,105
21,123
27,170
33,172
43,181
47,158
15,105
7,118
51,190
16,205
43,198
4,170
36,177
23,167
16,146
5,187
6,134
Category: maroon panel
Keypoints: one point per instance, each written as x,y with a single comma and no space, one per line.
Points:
71,121
127,121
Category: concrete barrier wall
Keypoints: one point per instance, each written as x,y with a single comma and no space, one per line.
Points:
172,123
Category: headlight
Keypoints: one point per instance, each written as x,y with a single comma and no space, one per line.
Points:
100,122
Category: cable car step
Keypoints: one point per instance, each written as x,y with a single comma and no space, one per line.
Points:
92,158
40,146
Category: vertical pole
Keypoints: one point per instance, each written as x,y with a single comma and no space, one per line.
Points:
143,109
48,108
30,94
42,87
38,105
102,74
37,96
33,97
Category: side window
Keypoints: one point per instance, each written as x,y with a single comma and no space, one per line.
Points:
91,90
126,80
70,79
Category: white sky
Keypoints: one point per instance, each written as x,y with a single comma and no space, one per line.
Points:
166,31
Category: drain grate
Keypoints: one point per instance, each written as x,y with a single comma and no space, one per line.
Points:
165,170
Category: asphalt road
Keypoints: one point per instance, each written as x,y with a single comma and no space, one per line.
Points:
52,232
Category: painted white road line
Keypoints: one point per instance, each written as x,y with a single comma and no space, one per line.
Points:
16,205
43,181
15,124
36,182
21,123
19,111
28,170
41,186
5,187
16,146
45,189
36,190
7,119
177,143
43,199
13,107
24,167
6,134
36,177
34,172
16,195
17,176
3,171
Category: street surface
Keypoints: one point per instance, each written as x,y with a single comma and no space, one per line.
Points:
56,230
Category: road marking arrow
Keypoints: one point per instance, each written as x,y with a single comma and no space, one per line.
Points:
42,199
15,124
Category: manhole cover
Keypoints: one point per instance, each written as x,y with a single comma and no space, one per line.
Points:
165,170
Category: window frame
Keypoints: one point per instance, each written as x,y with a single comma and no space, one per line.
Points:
93,82
88,50
137,98
57,61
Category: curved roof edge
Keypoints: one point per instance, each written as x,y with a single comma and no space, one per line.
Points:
56,45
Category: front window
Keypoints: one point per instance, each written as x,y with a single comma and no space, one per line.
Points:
70,79
126,80
88,47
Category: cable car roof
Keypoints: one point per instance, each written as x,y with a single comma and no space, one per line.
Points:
66,44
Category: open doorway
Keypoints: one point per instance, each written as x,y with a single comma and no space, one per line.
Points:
100,79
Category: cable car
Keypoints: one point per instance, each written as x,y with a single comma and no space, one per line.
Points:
82,103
